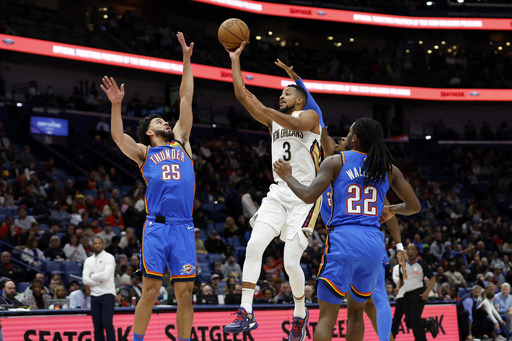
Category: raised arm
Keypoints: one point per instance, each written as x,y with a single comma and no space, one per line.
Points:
329,169
311,103
126,143
184,125
306,121
238,85
403,189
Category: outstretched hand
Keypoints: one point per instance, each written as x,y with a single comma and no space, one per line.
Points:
283,169
253,99
236,53
114,93
187,50
288,69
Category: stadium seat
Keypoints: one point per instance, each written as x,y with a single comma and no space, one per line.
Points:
116,230
202,258
71,266
50,266
22,286
214,257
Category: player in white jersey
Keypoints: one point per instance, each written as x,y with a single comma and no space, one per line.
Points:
295,135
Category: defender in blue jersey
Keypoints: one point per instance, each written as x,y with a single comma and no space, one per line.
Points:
360,178
377,307
164,159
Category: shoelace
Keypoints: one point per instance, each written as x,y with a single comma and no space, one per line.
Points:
240,315
297,326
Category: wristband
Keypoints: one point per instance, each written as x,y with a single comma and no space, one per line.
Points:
399,247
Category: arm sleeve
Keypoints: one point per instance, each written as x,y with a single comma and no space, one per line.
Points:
107,272
468,306
311,104
494,312
86,275
501,307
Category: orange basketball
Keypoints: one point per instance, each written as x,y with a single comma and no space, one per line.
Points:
232,33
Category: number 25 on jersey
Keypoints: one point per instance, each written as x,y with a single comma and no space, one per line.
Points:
171,172
365,204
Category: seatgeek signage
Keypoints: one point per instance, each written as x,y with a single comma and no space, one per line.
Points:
274,325
327,14
92,55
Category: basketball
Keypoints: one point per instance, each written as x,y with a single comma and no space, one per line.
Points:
232,33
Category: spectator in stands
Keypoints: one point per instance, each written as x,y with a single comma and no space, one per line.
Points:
214,243
103,127
309,294
200,248
230,228
231,268
33,231
61,292
129,232
75,251
13,237
125,278
70,230
6,225
503,303
25,157
80,298
390,292
55,251
271,269
59,216
73,286
454,276
75,217
38,297
249,205
493,323
115,218
133,245
106,234
135,285
24,221
55,281
86,244
466,308
70,192
285,294
4,146
8,292
101,200
9,269
215,280
32,255
114,249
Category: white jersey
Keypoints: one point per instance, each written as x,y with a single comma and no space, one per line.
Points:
300,148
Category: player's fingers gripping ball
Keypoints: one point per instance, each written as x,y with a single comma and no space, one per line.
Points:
232,33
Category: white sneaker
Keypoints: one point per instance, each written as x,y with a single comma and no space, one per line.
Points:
500,338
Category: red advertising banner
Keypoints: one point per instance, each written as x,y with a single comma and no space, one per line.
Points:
274,325
365,18
92,55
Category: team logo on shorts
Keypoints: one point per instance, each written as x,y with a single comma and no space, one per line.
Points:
187,269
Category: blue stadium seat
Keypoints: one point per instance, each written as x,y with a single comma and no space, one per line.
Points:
71,266
205,266
202,258
22,286
90,192
68,278
43,227
234,241
116,230
214,257
50,266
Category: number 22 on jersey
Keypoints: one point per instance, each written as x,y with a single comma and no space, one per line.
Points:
362,204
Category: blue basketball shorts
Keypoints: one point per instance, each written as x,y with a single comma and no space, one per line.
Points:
170,243
352,260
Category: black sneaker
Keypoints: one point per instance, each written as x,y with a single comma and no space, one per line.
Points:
432,327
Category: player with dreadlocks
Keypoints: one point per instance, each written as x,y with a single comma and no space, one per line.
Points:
360,178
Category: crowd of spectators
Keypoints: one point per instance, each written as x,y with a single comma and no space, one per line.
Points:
399,63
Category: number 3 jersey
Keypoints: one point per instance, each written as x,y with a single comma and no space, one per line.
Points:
169,175
300,148
352,203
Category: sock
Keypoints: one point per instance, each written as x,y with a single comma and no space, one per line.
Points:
300,308
180,339
137,337
247,296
